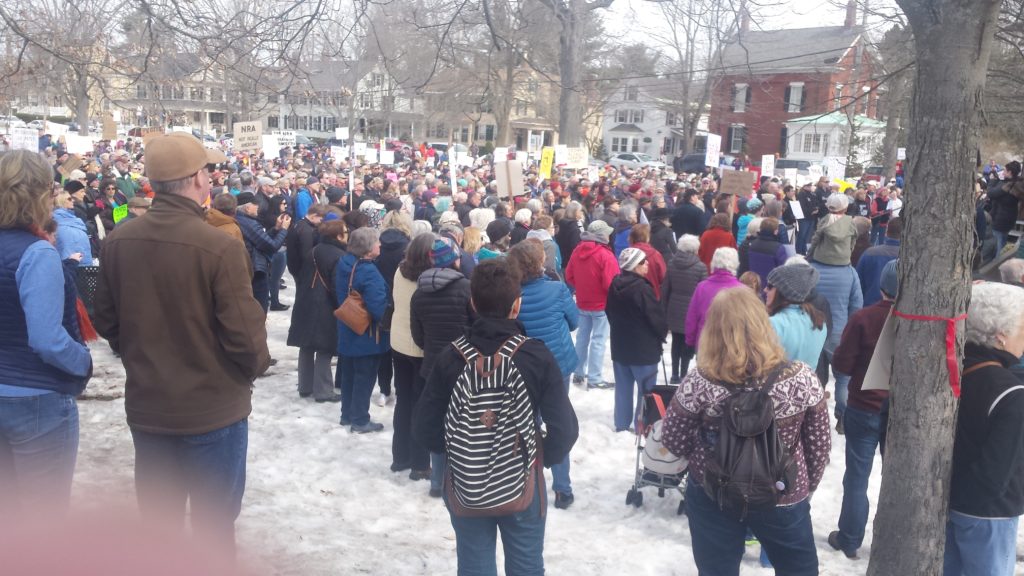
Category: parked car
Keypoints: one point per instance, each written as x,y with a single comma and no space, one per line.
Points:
872,174
802,166
635,160
692,163
37,124
11,122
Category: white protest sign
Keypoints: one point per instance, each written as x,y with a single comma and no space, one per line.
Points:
576,158
387,157
790,174
56,130
76,144
248,136
271,145
463,160
24,139
338,152
522,158
500,153
814,171
901,153
835,167
714,150
768,165
561,155
880,367
370,156
509,176
360,148
285,137
341,133
798,211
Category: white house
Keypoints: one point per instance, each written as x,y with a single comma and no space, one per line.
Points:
815,138
641,119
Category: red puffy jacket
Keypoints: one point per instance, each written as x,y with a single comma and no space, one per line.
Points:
591,269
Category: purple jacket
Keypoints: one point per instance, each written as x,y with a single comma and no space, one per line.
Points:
701,301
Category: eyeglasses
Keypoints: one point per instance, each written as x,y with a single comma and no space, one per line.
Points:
111,188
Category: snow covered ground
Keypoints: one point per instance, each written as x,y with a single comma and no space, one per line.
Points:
322,501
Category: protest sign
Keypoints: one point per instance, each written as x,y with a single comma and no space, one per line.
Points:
739,183
768,165
387,157
714,150
547,160
74,162
285,137
576,158
901,153
509,175
109,127
790,174
76,144
54,129
370,156
341,133
271,145
120,213
501,154
24,139
248,136
360,148
561,155
834,167
338,152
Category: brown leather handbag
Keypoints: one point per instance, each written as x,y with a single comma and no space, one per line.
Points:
353,312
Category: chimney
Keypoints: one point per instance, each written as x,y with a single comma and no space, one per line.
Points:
744,20
851,14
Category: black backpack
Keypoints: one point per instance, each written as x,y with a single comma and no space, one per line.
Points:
749,467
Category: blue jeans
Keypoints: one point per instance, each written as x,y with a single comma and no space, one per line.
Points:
38,450
1001,239
206,470
277,268
626,375
560,472
591,337
980,546
357,374
865,431
804,232
877,234
785,533
842,386
261,290
522,537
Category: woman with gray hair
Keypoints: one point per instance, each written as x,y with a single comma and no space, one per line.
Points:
724,264
359,354
570,229
685,272
986,495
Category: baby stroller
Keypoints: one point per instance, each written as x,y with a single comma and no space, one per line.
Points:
655,466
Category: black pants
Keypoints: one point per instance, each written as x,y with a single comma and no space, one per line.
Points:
405,449
681,354
384,373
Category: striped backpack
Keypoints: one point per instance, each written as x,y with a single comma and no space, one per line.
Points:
491,435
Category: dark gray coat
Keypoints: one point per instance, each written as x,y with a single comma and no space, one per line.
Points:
685,271
313,324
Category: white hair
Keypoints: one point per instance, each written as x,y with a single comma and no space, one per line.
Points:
448,216
534,205
726,258
754,226
481,217
796,259
688,243
421,227
995,312
1012,270
524,215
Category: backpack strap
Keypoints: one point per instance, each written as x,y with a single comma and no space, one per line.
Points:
773,376
466,350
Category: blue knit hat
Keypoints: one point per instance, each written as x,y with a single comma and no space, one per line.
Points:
444,253
890,280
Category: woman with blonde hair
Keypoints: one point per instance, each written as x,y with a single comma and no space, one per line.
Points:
472,240
72,234
44,362
739,351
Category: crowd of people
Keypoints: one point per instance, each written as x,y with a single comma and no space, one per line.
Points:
422,282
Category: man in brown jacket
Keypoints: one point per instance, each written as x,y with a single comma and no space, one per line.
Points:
175,301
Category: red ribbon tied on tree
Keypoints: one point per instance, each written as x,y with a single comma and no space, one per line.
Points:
951,365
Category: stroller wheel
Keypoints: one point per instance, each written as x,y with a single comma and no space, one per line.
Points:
682,508
639,501
661,492
635,498
630,496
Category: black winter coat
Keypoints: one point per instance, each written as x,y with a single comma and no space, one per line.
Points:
567,237
299,242
440,312
1003,201
663,240
393,244
313,324
685,271
988,452
260,245
636,319
518,234
540,374
688,219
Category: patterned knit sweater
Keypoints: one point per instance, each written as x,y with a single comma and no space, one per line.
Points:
801,416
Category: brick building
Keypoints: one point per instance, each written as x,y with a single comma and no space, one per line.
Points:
768,78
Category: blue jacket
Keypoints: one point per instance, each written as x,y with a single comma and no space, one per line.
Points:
41,346
549,314
260,245
870,265
840,286
303,200
797,335
371,285
72,236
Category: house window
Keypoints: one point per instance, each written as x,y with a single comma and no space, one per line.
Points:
669,145
520,107
740,97
625,144
489,132
637,117
673,119
532,86
272,122
196,93
179,92
783,141
794,100
365,101
166,93
464,135
737,137
839,97
629,116
140,92
632,93
377,80
813,143
216,95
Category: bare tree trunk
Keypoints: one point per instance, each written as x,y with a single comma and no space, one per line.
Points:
570,116
82,99
890,143
952,46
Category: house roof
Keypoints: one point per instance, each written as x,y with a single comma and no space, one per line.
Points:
800,49
627,128
838,119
